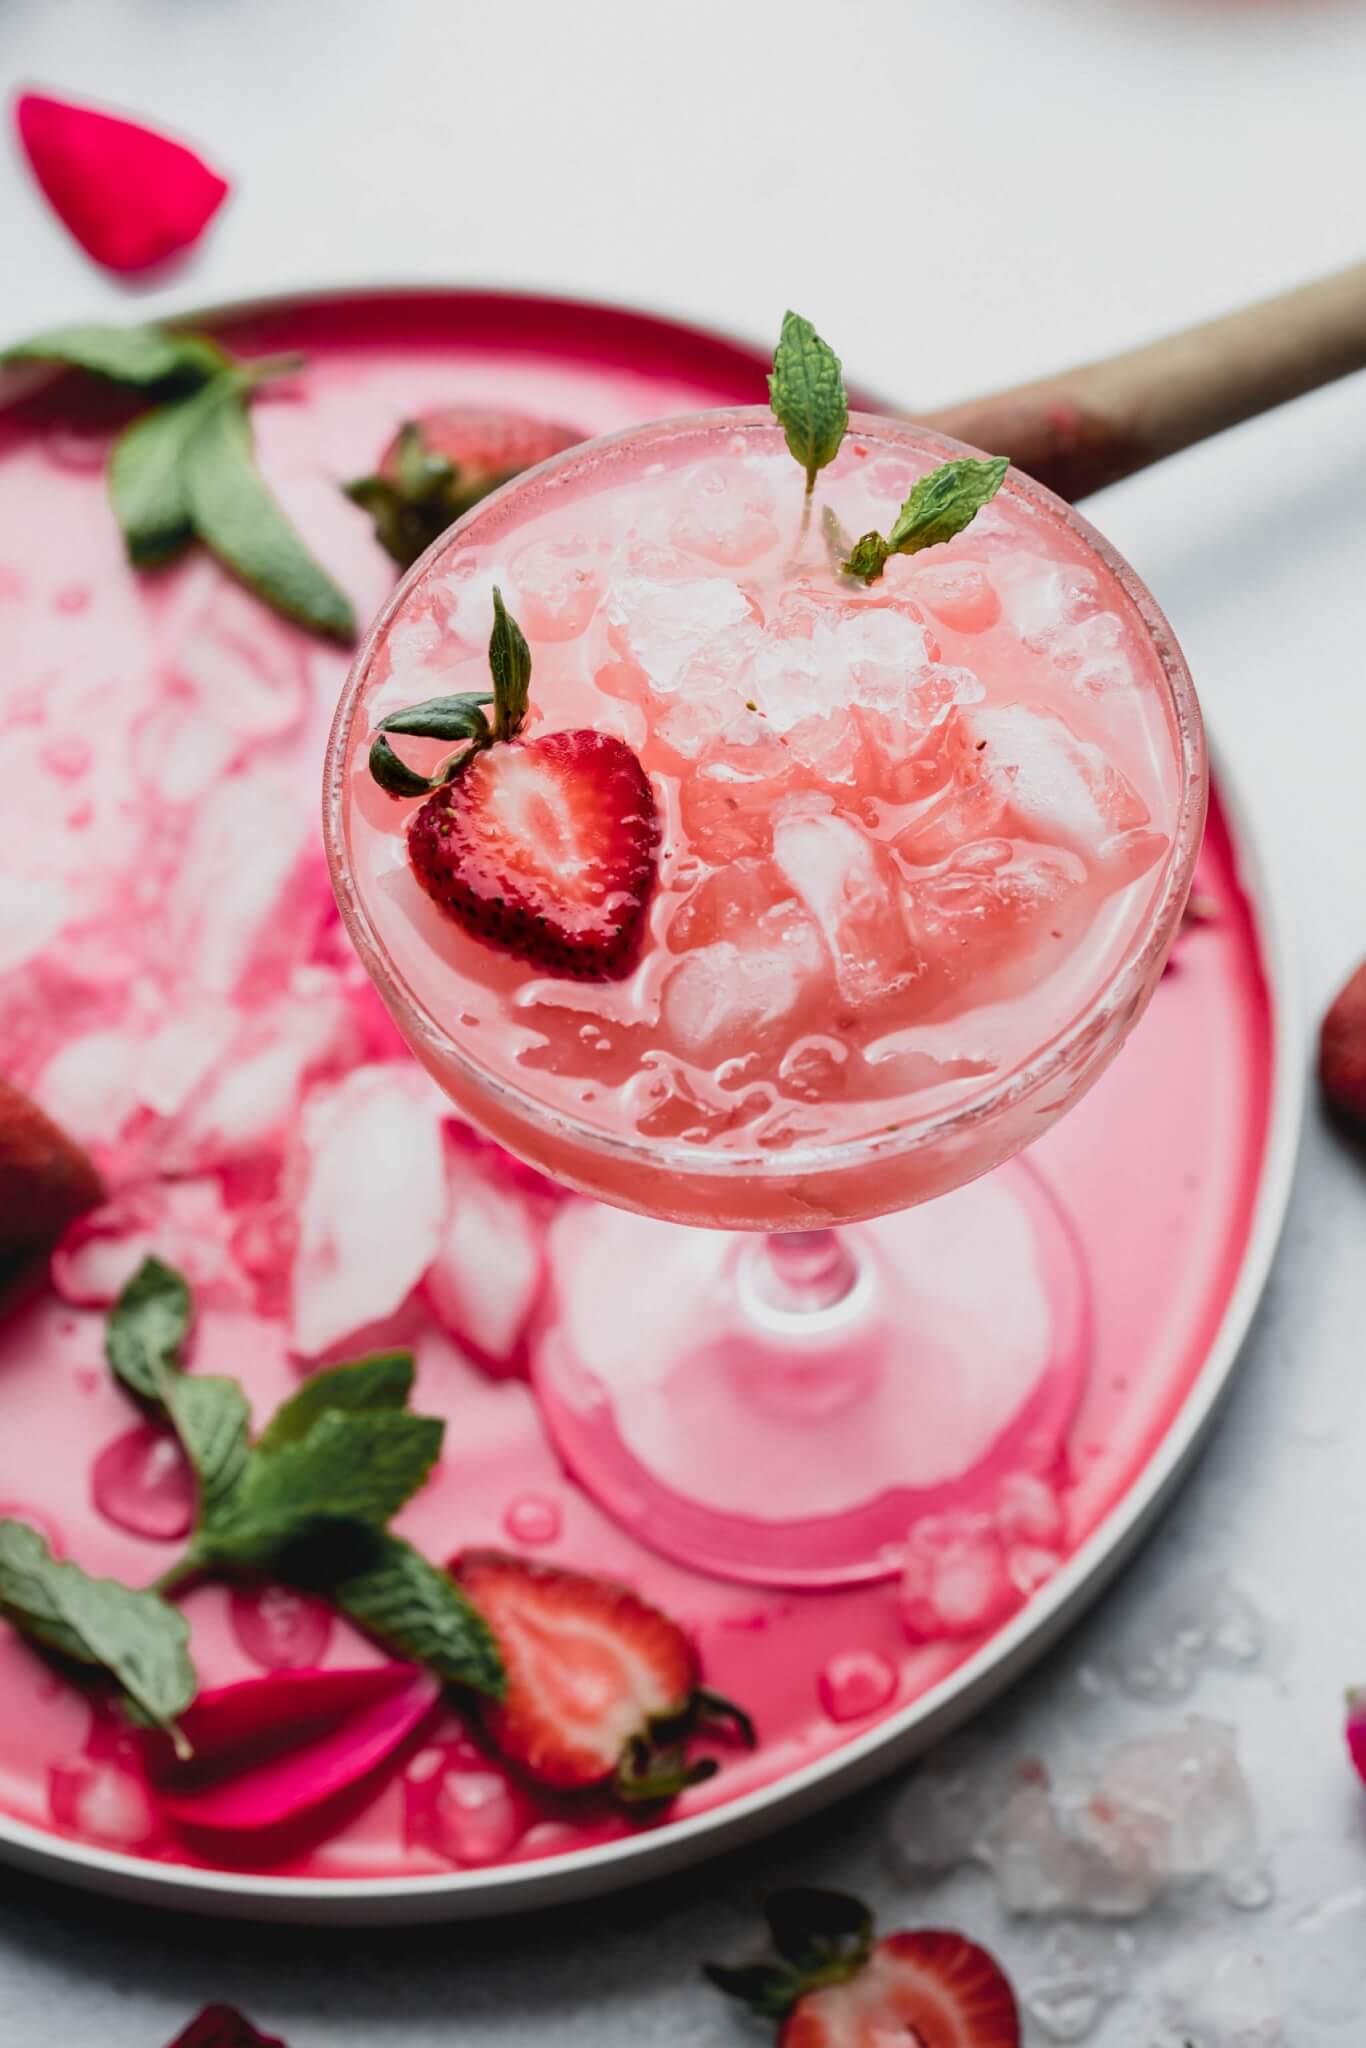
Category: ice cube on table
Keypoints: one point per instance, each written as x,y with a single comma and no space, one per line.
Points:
486,1277
373,1202
762,987
1188,1788
661,626
852,888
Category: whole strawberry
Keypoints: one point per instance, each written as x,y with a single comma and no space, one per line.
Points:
444,461
602,1689
45,1181
834,1987
543,848
1342,1054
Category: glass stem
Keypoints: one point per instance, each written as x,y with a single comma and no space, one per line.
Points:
803,1271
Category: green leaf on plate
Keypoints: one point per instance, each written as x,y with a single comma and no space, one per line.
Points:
416,1610
235,514
137,1638
143,357
146,1329
383,1381
147,481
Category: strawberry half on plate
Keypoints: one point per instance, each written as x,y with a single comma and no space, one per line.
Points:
602,1688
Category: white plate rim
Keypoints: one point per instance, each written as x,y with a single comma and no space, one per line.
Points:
586,1873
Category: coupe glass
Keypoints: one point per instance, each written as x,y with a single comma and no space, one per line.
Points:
771,1365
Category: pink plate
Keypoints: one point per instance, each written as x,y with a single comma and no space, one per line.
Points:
167,736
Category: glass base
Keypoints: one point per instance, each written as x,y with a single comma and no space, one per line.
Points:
786,1421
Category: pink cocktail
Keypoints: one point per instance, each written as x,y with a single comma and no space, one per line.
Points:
925,845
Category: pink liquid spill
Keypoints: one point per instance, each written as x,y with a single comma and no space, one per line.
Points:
200,1037
143,1483
279,1629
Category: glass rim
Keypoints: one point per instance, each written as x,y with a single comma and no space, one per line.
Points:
913,1134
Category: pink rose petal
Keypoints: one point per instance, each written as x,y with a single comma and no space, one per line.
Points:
268,1751
130,197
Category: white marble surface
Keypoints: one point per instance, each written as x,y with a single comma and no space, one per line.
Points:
963,194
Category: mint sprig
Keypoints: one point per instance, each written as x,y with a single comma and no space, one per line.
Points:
143,358
187,470
311,1498
135,1638
806,392
940,506
460,718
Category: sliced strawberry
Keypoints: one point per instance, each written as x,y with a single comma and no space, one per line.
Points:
45,1181
835,1988
934,1988
444,461
545,849
1342,1053
601,1687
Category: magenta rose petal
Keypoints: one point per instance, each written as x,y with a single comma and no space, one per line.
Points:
269,1751
130,197
222,2026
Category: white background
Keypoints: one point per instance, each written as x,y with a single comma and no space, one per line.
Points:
961,195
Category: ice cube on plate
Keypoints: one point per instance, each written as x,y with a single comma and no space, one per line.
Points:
373,1202
250,890
486,1277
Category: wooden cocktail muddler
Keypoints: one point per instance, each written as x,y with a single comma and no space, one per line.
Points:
1088,427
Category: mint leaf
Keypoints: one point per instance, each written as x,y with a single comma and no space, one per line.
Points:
944,502
383,1381
510,666
416,1610
137,1638
235,515
147,1328
143,357
940,506
213,1421
806,391
357,1468
147,478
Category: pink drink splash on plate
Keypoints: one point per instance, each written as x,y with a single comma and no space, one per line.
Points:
174,983
924,844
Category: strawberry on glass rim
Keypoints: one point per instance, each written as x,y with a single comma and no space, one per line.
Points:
544,848
833,1986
